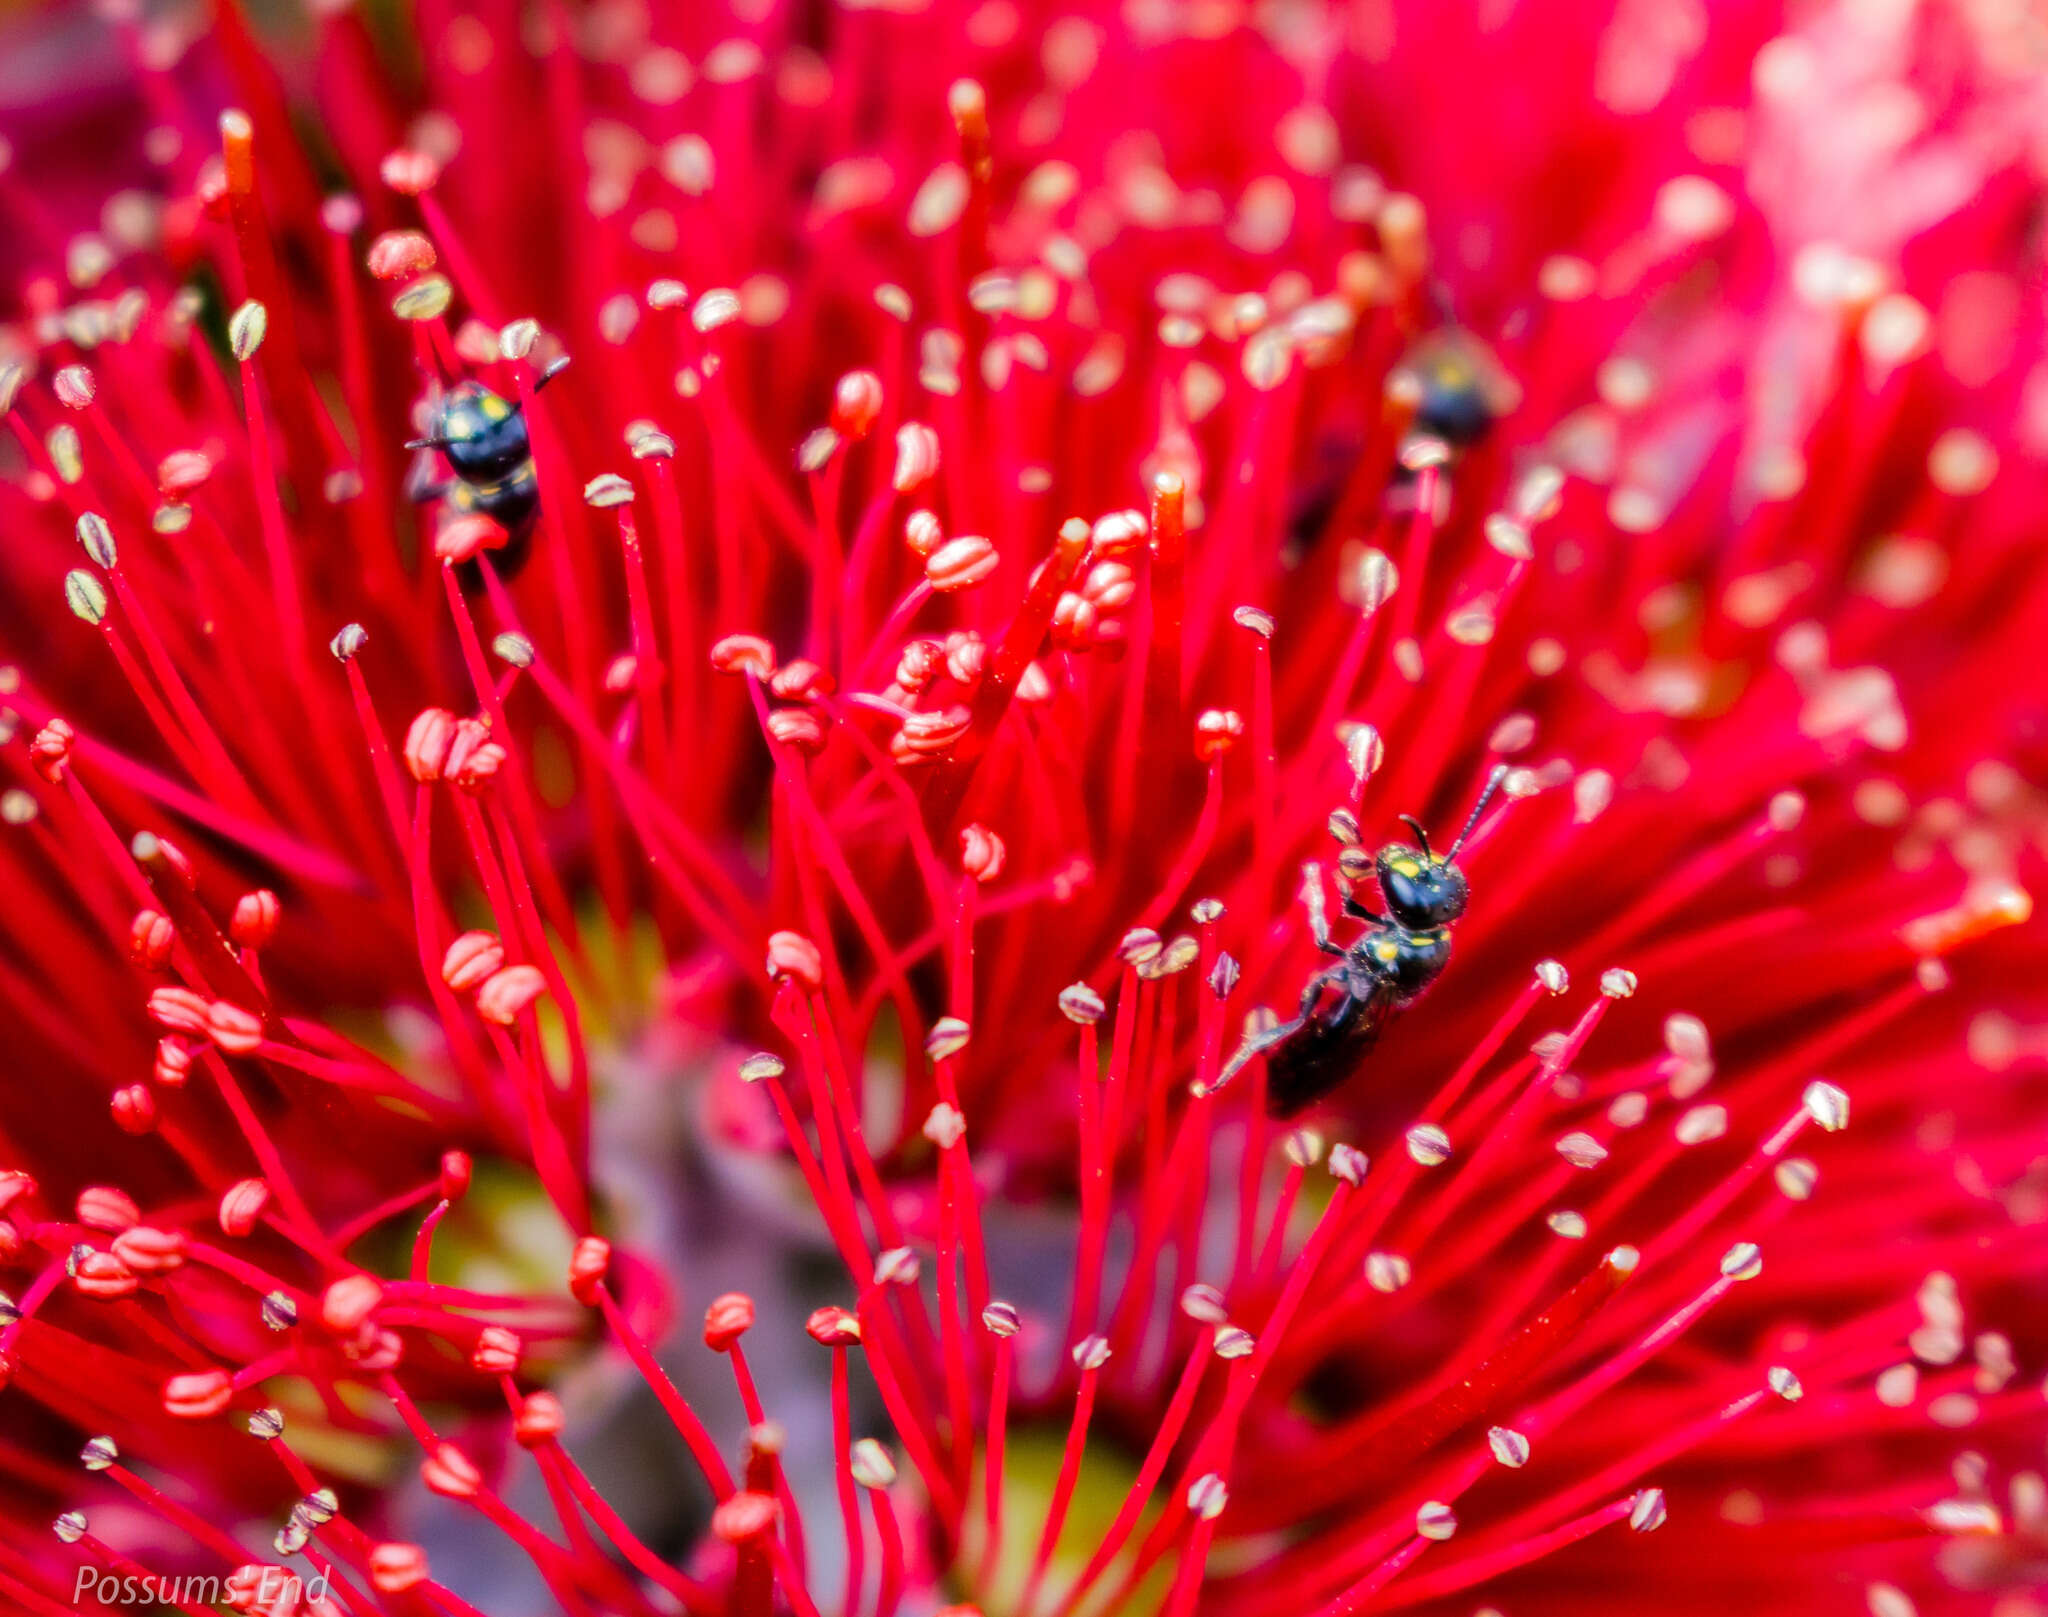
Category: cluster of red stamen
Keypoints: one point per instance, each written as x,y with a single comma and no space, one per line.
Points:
1045,522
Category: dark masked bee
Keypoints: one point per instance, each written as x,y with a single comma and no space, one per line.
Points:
1398,955
1457,389
1461,389
483,438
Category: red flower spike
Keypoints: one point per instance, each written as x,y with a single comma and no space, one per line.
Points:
1069,434
727,1319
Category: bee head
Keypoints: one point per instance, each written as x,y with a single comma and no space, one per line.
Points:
483,436
1461,389
1420,889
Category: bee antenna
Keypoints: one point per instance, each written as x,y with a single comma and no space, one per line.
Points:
1500,773
1421,836
551,373
430,443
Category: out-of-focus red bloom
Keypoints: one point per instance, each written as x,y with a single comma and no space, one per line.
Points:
1034,498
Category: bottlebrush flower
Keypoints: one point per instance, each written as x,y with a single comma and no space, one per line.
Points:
491,872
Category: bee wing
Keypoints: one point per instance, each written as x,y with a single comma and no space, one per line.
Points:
1254,1046
423,480
1324,1050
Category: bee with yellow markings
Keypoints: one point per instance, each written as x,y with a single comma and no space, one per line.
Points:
1398,955
483,437
1460,388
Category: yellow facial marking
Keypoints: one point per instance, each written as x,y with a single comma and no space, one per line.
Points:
1406,867
494,407
1386,950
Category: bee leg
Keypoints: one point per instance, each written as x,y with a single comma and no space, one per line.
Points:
1358,912
1342,1013
1313,991
1258,1044
1249,1049
422,487
1312,904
